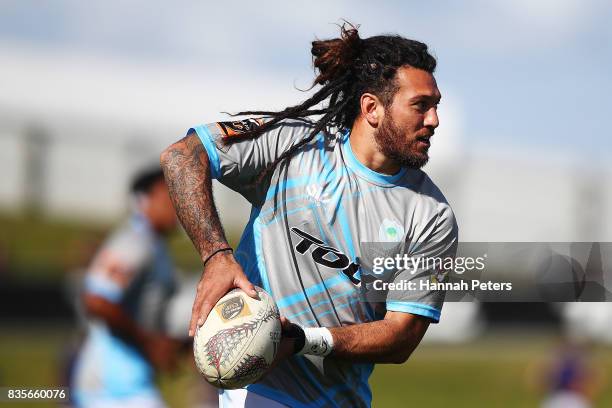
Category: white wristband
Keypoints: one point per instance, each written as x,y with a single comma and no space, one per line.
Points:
318,342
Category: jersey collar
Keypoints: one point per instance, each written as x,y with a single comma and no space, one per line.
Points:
364,171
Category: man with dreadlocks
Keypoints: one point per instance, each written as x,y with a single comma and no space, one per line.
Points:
321,190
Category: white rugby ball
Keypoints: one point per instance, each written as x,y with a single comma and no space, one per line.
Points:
239,339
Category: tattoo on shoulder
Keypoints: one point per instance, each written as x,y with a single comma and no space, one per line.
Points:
187,172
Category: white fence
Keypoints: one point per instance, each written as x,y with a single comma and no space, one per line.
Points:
77,168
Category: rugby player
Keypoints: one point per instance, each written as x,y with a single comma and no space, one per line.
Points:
126,289
324,178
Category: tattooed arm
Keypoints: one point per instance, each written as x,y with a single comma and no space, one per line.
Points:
187,172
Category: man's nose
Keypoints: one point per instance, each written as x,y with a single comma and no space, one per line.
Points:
431,118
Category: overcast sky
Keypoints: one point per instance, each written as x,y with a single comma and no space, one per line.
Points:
523,74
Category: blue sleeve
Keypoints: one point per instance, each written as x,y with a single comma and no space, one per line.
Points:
415,308
208,143
105,288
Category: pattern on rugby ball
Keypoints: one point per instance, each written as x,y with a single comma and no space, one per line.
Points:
239,339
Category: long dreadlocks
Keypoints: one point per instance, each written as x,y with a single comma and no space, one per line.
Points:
347,67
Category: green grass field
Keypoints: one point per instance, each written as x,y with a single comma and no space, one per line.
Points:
488,373
44,249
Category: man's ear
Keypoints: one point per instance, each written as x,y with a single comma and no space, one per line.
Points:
372,109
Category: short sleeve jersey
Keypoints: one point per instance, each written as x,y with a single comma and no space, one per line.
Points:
312,224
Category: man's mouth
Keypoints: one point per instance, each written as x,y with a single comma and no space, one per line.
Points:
424,140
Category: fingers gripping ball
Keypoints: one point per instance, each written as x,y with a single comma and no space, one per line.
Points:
239,339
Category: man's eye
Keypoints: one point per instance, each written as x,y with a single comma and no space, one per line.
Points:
422,106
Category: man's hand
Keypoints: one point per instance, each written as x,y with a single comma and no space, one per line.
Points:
222,274
286,347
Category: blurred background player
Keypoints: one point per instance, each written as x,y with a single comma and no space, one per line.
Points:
569,377
126,290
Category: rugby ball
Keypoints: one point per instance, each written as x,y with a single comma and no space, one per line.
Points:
238,341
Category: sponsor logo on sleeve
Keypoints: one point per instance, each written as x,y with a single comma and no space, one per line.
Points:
239,127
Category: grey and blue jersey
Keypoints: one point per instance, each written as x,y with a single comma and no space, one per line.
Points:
310,235
133,269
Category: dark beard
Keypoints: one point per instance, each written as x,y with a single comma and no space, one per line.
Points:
391,142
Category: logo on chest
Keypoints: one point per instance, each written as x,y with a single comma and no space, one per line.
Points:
325,255
316,195
390,231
